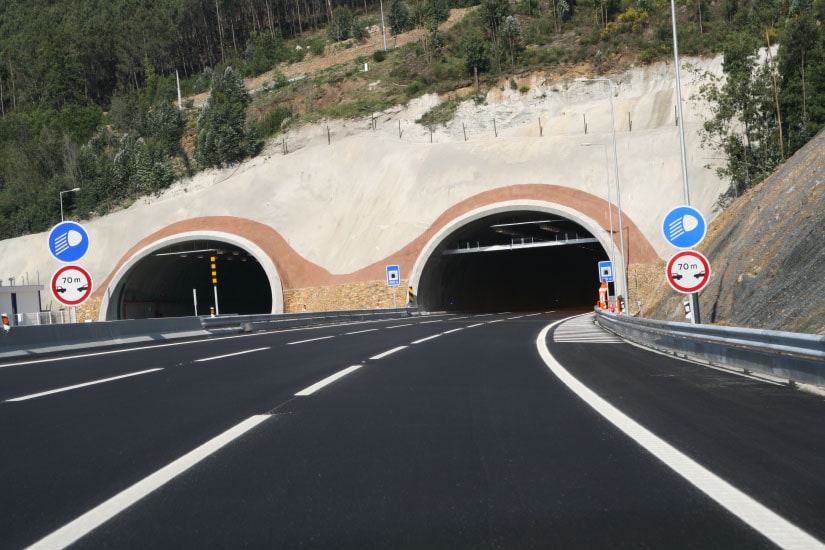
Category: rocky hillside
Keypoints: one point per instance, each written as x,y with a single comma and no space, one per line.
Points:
767,253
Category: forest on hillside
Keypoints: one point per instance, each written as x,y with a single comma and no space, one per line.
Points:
88,89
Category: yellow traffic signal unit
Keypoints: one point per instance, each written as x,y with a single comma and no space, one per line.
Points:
214,270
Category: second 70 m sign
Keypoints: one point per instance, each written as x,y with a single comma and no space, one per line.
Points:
688,271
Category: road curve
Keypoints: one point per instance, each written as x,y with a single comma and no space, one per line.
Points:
441,431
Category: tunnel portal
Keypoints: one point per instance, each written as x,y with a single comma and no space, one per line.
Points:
166,283
516,261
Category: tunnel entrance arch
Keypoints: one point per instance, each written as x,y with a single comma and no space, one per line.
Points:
514,256
164,279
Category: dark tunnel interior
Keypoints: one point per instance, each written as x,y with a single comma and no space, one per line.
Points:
518,261
166,283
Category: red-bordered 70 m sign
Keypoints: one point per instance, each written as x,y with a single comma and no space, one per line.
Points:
71,285
688,271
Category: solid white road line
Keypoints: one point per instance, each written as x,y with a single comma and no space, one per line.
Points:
776,528
390,352
327,381
433,321
73,531
451,331
362,331
427,338
230,354
475,325
310,340
76,386
399,326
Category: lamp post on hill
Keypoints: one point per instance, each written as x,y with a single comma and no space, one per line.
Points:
618,185
695,317
609,201
61,199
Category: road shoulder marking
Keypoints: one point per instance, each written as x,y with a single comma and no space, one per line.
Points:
760,518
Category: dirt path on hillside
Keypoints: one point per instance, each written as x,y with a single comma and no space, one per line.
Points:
335,54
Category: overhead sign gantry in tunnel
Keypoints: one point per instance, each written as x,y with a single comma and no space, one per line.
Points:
513,261
167,282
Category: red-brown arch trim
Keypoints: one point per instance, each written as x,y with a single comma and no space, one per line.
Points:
297,272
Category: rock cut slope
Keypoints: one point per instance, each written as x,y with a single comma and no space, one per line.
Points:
767,253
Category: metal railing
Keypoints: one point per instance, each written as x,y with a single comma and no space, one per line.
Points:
788,355
43,318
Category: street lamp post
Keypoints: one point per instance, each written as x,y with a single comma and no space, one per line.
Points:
609,201
618,185
695,317
61,199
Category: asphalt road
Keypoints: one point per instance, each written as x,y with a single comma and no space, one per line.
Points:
439,432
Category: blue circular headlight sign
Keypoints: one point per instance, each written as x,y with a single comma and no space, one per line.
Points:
68,242
684,227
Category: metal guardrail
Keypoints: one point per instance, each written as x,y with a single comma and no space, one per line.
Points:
30,341
249,323
788,355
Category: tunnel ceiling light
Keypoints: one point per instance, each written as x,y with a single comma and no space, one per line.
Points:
184,253
524,223
510,232
550,228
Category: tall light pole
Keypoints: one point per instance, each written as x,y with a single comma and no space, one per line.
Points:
618,185
609,201
383,32
695,317
61,199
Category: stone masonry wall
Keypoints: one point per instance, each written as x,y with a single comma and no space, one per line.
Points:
359,295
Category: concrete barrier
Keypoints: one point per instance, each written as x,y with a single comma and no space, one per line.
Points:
27,341
31,341
788,355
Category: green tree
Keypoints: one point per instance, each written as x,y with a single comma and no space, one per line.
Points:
399,17
223,136
340,27
510,33
801,63
743,124
475,51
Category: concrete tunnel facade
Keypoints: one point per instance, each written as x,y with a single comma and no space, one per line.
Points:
517,279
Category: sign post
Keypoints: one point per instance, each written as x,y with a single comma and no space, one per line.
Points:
393,280
684,227
71,284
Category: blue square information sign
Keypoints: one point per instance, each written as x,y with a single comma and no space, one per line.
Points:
393,275
605,272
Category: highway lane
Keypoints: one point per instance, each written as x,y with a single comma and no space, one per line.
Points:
88,443
461,438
